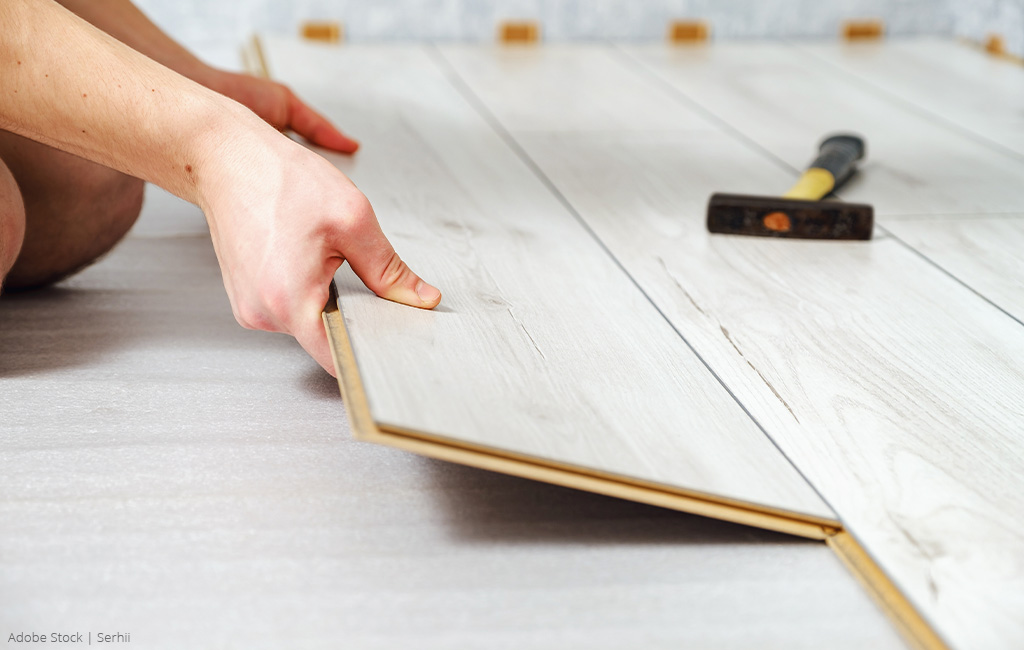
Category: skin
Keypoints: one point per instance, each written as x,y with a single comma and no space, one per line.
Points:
282,218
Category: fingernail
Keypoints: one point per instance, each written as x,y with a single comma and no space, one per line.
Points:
426,292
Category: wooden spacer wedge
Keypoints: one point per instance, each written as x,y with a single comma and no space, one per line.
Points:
684,32
325,31
995,45
862,30
517,32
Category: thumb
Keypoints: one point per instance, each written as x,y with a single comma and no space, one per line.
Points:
380,268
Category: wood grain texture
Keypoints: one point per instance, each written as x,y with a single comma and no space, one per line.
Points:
987,254
785,102
894,388
519,75
960,85
453,450
166,473
542,345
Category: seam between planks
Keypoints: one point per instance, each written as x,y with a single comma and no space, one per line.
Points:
365,428
474,101
909,105
889,598
672,91
907,618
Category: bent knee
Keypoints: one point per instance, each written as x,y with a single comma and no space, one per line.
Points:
69,230
12,222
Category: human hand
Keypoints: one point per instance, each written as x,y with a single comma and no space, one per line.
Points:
283,219
278,106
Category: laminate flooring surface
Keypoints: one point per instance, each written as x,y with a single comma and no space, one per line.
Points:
894,388
542,345
984,252
165,473
775,97
961,85
967,90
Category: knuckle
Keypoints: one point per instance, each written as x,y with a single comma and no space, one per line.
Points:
395,272
252,317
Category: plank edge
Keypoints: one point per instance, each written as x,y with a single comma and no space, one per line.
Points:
908,621
365,428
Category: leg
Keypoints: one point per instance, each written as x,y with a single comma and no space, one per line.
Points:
74,210
12,221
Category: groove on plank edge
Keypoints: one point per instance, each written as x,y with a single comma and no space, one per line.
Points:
253,60
886,595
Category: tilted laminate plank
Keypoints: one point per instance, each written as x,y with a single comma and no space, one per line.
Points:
986,253
165,473
542,346
772,95
893,387
959,85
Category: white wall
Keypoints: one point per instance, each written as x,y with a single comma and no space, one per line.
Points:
976,19
215,29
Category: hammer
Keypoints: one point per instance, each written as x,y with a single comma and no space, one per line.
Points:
800,213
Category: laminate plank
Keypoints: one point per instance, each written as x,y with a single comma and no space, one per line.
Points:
542,346
571,87
167,474
895,389
949,87
770,94
987,254
963,86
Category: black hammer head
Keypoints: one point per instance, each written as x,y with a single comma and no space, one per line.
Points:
772,216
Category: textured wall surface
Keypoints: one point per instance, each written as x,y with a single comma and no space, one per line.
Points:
216,29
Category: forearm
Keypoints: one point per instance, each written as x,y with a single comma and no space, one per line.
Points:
69,85
125,22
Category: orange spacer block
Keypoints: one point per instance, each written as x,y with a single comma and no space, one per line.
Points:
517,32
688,31
994,44
862,30
327,31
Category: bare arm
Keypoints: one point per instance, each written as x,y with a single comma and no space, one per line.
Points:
282,218
125,22
270,100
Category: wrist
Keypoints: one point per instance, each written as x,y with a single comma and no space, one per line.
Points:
232,147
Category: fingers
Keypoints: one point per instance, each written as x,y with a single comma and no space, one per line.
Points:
314,127
310,333
377,264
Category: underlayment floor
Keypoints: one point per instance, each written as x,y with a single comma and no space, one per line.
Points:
167,474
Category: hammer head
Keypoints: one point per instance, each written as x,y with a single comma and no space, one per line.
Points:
772,216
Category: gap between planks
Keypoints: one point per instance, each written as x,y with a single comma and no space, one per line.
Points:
908,621
880,587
